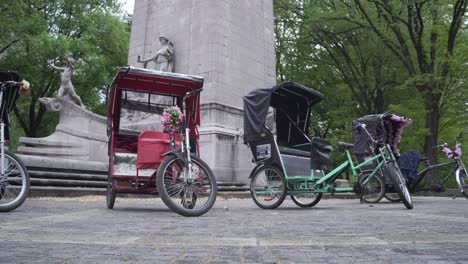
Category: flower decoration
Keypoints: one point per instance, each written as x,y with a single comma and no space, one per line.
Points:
25,87
171,119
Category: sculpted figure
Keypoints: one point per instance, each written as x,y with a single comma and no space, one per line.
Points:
163,58
66,86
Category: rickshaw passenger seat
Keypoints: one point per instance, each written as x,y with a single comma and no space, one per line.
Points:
294,152
151,145
126,143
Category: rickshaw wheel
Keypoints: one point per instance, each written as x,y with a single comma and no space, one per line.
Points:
181,196
15,183
268,187
306,199
400,184
374,190
110,197
462,181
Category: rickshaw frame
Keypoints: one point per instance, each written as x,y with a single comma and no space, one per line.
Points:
156,149
269,155
129,78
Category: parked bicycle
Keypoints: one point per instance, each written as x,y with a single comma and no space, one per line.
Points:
291,163
14,178
458,170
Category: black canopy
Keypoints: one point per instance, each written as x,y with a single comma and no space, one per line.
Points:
292,102
385,128
10,93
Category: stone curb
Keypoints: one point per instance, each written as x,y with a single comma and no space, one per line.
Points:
78,192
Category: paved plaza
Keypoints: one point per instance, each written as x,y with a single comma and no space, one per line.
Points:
83,230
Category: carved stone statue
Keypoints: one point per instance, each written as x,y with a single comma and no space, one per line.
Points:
66,87
163,58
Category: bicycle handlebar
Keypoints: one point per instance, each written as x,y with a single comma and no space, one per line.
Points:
189,94
440,146
458,137
10,82
389,113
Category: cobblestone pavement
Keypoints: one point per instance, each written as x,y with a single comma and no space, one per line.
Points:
83,230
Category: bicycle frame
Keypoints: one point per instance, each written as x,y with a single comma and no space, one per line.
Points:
423,172
457,164
324,184
184,129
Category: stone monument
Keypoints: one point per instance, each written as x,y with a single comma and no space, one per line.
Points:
164,58
79,142
66,88
230,44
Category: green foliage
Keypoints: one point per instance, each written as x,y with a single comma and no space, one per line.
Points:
371,56
92,31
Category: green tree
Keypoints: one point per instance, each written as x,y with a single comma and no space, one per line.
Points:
368,56
92,31
423,35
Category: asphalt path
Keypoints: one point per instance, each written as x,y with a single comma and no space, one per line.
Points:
83,230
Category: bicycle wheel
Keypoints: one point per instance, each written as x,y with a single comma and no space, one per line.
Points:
184,196
306,199
399,183
462,181
372,189
268,187
393,197
14,184
111,193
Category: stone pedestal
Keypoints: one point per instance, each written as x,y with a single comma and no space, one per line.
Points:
230,44
78,143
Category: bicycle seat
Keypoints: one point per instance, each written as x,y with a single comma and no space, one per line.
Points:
343,145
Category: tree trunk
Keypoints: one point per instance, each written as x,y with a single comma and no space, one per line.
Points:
432,122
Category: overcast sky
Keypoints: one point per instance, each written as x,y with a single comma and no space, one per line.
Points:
128,5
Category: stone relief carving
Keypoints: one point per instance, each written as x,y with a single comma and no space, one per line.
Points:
66,90
164,58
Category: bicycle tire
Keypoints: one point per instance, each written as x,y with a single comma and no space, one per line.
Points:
374,190
399,183
110,194
182,196
268,187
462,182
299,199
393,197
9,183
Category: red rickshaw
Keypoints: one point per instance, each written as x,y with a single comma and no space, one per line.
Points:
153,140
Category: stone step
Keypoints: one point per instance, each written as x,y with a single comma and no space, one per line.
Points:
51,151
58,164
67,176
67,183
46,142
95,180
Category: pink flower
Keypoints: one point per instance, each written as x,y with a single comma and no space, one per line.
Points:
171,119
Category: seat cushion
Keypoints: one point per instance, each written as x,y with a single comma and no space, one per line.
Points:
294,152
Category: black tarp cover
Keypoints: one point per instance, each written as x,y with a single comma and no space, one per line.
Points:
10,94
291,100
387,130
362,142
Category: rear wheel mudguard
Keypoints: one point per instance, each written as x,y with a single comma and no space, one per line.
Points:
176,152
